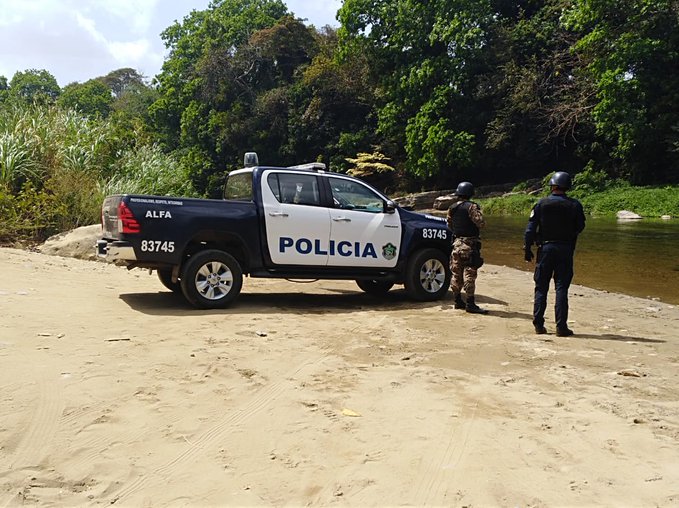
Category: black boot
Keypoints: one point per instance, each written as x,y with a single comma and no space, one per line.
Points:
473,308
459,302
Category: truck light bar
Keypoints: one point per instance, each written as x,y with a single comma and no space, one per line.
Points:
314,166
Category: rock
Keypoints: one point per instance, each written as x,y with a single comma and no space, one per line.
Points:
420,200
77,243
627,215
443,202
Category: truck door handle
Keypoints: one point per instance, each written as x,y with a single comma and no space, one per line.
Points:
341,219
278,214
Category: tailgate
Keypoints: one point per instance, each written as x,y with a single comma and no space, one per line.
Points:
109,217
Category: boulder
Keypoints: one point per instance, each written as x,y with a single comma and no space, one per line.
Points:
420,200
443,202
627,215
77,243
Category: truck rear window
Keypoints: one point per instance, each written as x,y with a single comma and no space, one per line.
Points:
239,187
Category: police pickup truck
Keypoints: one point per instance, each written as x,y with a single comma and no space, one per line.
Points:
297,222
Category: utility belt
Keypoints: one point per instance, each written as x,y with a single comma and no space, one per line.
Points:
564,243
469,239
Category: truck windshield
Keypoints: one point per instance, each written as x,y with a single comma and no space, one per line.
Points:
239,187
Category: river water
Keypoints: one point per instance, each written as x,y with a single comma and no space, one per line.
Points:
638,258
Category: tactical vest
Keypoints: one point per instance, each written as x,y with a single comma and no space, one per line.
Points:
558,220
462,225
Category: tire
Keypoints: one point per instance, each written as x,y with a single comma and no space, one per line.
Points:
211,279
165,277
427,275
375,287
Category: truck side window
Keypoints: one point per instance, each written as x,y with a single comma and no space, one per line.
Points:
295,188
350,195
239,187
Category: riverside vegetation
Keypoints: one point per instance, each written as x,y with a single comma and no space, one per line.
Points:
600,197
57,166
497,92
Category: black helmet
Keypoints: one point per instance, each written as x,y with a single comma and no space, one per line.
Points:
561,179
465,189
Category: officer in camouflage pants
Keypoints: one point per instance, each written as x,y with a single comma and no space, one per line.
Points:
465,219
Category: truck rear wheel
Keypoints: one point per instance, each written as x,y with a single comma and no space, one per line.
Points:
374,287
211,279
427,275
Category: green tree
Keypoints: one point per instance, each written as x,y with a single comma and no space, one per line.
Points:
333,114
537,96
90,98
122,81
34,85
4,88
426,57
224,26
631,53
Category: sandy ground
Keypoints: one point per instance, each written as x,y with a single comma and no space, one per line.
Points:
114,391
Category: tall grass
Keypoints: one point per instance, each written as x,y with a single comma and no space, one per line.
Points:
148,170
56,166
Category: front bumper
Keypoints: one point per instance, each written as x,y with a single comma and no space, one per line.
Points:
116,250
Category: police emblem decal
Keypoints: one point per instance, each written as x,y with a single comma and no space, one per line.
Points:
389,251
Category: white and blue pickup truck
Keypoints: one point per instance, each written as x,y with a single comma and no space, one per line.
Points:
298,222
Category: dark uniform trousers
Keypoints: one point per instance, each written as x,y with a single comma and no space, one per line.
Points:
555,260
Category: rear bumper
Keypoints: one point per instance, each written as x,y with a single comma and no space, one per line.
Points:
115,250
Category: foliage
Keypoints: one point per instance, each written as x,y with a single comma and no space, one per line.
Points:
28,217
645,201
56,164
123,81
369,164
514,204
90,98
426,83
34,85
36,141
630,49
599,196
148,170
488,91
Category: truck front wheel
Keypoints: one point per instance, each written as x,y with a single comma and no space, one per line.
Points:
374,287
211,279
427,275
165,277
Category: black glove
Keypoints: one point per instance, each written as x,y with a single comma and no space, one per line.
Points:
528,254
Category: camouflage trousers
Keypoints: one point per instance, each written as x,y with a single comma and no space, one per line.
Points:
463,276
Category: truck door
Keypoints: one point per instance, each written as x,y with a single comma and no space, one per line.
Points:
297,227
362,234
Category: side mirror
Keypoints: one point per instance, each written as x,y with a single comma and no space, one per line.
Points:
389,207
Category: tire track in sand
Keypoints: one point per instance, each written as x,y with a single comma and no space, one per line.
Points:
438,476
34,443
235,417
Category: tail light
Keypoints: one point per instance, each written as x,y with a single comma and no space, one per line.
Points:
127,223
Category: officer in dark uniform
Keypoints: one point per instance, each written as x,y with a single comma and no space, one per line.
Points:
554,225
465,219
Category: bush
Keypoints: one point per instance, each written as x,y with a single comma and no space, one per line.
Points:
515,204
29,217
646,201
